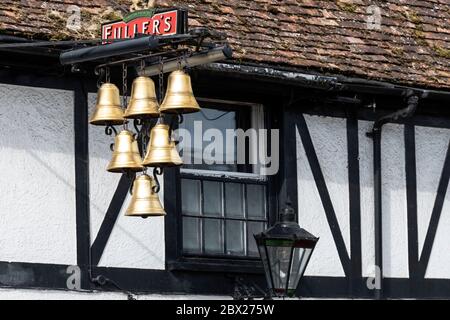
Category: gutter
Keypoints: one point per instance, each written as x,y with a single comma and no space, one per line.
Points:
412,100
329,83
275,75
12,39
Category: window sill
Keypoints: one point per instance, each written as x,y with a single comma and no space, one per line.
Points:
216,265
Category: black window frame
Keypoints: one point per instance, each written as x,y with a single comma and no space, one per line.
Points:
176,259
239,180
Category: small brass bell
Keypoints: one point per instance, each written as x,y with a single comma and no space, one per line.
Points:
161,151
143,103
179,96
126,154
107,110
144,202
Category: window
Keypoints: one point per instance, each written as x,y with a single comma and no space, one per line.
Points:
223,204
220,218
219,117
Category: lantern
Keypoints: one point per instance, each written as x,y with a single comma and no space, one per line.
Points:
285,250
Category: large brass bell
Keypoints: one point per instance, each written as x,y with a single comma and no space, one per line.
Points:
179,96
161,150
126,154
143,103
107,110
144,202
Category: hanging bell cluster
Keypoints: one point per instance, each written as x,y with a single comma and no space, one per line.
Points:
107,110
145,201
126,155
179,96
161,150
143,102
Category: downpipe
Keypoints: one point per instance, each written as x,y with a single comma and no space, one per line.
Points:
412,100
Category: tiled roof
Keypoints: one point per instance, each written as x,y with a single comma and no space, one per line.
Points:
410,45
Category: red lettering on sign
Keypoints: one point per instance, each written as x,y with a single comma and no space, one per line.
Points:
164,23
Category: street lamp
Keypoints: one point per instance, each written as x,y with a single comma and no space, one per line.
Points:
285,250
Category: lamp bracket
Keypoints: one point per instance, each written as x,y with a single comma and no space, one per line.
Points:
244,291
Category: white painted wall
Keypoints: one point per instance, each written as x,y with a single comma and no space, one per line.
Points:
134,242
330,144
395,224
431,148
37,205
367,198
328,135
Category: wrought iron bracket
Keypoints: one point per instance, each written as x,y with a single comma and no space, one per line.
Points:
103,281
109,130
157,171
243,291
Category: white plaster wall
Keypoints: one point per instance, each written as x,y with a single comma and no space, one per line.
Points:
366,182
329,139
328,135
23,294
134,242
37,206
394,206
330,144
431,148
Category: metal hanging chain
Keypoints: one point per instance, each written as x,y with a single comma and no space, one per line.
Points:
186,63
179,63
100,72
125,92
161,79
107,75
103,72
142,66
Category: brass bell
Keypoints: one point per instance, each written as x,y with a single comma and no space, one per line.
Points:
126,154
107,110
143,103
144,202
161,150
179,96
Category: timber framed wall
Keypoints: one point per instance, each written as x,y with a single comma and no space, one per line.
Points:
343,208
